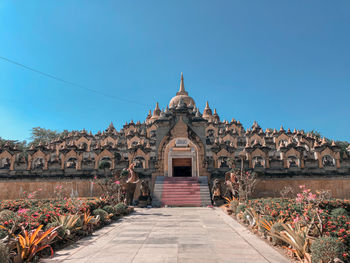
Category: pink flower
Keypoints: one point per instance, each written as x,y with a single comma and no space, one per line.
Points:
311,197
22,211
117,182
296,220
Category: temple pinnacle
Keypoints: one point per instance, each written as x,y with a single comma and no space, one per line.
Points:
182,90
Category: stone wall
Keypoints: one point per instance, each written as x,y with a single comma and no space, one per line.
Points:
266,187
271,187
13,189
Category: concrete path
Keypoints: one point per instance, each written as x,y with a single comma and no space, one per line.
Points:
171,235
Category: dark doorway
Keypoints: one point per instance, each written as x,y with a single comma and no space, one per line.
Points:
182,167
182,171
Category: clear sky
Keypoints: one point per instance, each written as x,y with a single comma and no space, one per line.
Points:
276,62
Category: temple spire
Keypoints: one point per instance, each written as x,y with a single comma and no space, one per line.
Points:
156,111
182,90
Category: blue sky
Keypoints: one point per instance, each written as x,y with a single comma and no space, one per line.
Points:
276,62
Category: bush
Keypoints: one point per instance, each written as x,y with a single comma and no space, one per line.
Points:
339,212
7,215
109,209
241,208
276,229
130,210
325,249
4,253
233,205
103,215
120,209
3,233
61,232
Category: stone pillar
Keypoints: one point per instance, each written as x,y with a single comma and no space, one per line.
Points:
194,162
169,173
267,161
337,162
29,165
12,164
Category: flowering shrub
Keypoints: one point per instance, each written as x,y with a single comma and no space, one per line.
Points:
30,213
315,213
325,249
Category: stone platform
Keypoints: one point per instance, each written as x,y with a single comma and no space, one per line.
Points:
171,235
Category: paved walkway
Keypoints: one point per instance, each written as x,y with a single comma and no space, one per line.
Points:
171,235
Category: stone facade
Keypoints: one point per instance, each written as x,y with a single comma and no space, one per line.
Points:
174,138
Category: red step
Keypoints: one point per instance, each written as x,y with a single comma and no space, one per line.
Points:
181,192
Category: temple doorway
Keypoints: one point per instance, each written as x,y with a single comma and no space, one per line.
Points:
181,158
182,167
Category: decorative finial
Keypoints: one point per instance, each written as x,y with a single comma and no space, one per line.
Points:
182,90
207,105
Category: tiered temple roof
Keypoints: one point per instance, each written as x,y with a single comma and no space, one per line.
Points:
270,151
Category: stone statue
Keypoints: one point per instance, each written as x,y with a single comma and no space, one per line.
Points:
6,164
328,161
258,163
231,184
130,185
39,164
223,163
216,193
71,163
145,198
292,162
138,163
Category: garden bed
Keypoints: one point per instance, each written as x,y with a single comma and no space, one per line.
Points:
310,227
33,228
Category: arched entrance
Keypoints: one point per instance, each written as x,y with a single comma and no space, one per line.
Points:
181,158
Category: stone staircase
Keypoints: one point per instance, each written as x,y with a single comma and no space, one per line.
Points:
181,191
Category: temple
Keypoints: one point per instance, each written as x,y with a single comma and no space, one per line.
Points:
179,141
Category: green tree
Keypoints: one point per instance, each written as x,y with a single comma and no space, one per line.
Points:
341,144
21,145
43,135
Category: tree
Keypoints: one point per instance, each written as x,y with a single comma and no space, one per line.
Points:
246,180
21,145
42,135
317,134
341,144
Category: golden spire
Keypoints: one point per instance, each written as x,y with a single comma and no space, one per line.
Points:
207,105
156,111
182,90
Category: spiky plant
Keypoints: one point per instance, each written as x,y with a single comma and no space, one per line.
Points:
67,223
4,253
30,243
297,238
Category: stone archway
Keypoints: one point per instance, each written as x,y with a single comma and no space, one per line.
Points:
179,154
